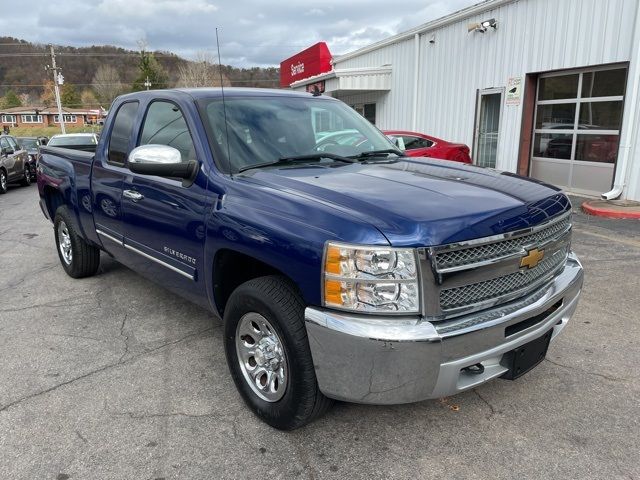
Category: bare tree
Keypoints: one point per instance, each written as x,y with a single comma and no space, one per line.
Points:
203,72
106,83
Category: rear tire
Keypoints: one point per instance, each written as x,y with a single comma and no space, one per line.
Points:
78,258
273,303
26,180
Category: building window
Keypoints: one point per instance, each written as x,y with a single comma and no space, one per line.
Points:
8,119
367,110
370,112
67,118
31,118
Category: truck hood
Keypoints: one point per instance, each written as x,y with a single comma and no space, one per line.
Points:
422,202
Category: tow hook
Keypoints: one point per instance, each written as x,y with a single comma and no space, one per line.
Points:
477,369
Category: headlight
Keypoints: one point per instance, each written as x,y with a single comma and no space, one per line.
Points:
371,279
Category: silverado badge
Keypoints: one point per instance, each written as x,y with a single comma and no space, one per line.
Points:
532,258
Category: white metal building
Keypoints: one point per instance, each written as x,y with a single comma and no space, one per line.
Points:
546,88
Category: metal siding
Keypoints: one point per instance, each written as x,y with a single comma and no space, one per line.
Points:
532,36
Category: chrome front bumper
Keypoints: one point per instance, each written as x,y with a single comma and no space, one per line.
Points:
389,360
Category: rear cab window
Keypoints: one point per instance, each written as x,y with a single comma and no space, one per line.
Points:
121,133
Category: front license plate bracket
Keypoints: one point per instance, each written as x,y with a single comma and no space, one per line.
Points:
524,358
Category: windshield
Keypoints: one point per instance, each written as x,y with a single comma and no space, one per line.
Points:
72,140
265,129
28,142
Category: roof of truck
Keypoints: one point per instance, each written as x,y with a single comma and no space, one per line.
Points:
198,93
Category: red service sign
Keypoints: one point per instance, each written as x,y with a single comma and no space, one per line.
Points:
312,61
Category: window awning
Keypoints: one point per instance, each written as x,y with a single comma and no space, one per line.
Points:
349,80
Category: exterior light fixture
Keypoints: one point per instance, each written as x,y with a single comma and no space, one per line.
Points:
483,26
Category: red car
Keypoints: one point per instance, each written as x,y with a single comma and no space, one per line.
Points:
421,145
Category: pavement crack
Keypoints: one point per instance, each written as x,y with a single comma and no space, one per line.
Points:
492,409
99,370
52,304
125,338
79,435
601,375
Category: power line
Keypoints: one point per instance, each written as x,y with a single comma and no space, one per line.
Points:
21,85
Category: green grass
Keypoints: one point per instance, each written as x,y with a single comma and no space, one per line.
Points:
49,131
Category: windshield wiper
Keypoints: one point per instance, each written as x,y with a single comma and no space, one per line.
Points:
376,153
312,157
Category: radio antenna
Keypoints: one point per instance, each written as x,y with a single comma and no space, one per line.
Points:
224,105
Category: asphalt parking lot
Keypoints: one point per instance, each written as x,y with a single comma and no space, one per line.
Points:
112,377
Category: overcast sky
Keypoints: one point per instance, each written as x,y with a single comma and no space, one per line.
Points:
253,32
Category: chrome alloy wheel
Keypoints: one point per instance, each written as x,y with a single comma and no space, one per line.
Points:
64,243
3,181
262,357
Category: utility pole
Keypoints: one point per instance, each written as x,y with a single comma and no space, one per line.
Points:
147,83
57,80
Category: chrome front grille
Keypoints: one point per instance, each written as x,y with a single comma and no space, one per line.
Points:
497,287
477,274
469,255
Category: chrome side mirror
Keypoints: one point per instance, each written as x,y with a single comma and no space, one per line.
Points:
162,161
155,154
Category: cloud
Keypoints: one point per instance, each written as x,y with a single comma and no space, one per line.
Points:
252,32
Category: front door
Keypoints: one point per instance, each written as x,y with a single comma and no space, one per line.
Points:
164,218
12,161
488,111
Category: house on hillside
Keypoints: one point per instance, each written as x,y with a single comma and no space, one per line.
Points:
46,116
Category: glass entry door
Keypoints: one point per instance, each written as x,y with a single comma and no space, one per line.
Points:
488,110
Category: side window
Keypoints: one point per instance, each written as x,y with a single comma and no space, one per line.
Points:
14,144
4,143
411,143
164,124
121,133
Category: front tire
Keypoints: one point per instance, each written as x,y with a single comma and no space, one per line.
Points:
78,258
3,182
268,353
26,179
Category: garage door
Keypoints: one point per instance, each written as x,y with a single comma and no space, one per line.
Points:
577,124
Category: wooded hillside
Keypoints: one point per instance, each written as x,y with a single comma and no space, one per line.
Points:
22,71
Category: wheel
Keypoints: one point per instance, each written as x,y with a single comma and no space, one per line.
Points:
268,353
3,181
78,258
26,179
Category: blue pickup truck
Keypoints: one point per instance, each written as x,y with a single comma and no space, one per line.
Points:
342,270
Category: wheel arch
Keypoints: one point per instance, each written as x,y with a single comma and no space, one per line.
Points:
53,200
232,268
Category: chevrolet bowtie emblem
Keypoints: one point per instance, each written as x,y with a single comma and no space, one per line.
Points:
532,258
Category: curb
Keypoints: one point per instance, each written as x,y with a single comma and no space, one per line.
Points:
600,208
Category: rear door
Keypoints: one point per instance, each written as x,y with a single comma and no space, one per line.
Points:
107,179
164,218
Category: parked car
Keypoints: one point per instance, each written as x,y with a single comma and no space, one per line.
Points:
75,141
32,146
366,276
14,163
421,145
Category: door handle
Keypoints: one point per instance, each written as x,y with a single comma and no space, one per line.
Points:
133,195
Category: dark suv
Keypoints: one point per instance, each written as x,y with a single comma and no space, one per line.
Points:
32,146
14,163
